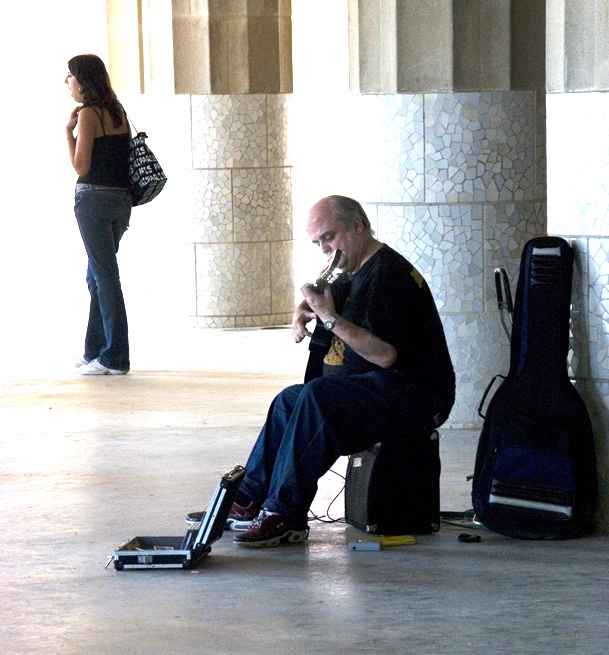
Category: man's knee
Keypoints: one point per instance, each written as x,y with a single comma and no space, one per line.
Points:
315,388
286,399
321,385
289,393
322,393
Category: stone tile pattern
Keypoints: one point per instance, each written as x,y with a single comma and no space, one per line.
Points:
480,350
579,352
231,283
598,307
462,205
401,148
282,278
229,131
507,227
445,242
241,210
262,204
541,159
278,115
480,147
211,206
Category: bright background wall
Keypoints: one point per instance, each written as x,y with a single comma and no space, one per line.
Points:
43,263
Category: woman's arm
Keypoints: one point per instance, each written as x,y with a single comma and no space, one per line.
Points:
80,149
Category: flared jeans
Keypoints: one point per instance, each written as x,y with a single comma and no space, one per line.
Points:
103,216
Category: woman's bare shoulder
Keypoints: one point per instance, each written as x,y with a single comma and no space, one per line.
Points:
89,112
88,121
88,115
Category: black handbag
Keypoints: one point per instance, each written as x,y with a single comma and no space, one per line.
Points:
146,177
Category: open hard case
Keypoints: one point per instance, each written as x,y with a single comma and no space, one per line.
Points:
188,551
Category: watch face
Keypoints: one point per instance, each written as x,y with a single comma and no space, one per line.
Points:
329,324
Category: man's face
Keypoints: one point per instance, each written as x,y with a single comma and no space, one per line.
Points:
328,232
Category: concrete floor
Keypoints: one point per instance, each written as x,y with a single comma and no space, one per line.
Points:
88,462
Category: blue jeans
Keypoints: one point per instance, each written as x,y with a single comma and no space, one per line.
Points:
103,217
309,426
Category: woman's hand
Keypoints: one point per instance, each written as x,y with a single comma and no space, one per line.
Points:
73,120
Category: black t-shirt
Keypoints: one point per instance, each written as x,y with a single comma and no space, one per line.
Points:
390,298
109,161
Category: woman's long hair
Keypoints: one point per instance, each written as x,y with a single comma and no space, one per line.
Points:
96,89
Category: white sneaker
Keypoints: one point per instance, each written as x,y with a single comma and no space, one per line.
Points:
95,368
80,361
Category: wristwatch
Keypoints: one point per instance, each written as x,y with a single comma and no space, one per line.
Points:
329,323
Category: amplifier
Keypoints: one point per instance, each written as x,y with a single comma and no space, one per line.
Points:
395,489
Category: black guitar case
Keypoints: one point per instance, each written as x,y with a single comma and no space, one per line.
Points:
535,472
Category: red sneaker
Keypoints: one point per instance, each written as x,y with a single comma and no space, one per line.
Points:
269,530
239,518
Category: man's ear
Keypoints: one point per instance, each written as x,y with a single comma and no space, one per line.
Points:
358,224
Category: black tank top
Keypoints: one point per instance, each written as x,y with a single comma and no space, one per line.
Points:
109,160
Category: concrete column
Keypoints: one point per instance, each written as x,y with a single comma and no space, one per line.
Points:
414,46
241,208
481,44
578,51
578,196
232,46
233,58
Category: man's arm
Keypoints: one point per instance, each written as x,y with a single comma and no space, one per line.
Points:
362,341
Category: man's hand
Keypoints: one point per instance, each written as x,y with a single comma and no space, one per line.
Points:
359,339
302,315
322,304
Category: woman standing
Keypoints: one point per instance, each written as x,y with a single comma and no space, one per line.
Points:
100,156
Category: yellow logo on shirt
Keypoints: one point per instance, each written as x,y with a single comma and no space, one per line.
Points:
418,278
336,354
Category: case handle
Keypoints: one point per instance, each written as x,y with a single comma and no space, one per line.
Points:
504,297
488,388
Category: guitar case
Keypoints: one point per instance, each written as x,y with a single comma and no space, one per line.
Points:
535,471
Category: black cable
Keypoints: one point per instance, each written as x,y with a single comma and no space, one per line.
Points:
326,518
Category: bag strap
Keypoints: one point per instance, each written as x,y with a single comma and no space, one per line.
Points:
101,119
130,121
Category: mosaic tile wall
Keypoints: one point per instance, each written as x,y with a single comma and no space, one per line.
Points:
241,207
456,183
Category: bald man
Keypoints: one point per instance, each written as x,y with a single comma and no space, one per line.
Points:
387,374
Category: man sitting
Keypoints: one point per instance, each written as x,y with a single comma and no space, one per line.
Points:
387,375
